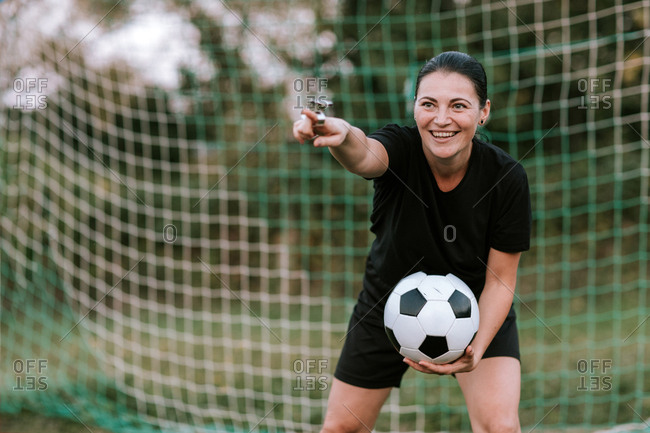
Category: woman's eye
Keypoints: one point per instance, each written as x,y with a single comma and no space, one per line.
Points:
427,104
459,106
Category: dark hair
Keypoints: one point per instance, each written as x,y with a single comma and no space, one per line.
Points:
461,63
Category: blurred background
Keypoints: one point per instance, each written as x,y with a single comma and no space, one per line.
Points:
172,260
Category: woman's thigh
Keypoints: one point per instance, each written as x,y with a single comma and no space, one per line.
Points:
353,409
492,393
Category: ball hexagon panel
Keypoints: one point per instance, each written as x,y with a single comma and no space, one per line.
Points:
461,334
411,302
436,288
475,313
408,332
457,283
436,318
409,283
414,354
461,304
448,357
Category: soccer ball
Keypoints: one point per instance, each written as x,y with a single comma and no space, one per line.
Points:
431,317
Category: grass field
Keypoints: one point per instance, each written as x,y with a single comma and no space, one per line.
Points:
34,423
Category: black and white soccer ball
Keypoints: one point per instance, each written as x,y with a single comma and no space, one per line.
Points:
431,317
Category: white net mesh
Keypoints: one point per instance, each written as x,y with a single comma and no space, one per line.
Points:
181,264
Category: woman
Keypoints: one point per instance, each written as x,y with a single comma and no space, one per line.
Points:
444,202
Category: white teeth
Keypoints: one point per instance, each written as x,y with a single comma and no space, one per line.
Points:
443,134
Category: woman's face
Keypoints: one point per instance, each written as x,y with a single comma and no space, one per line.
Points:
447,112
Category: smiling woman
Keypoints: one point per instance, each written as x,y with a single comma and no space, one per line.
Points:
450,101
427,178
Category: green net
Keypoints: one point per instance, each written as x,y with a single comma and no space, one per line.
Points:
172,260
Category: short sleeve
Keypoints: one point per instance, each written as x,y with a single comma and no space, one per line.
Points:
398,142
513,216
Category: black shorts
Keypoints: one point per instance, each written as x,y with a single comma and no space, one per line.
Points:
369,360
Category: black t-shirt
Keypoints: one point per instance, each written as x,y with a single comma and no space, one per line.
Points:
418,227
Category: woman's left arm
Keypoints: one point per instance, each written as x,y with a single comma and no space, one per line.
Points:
494,304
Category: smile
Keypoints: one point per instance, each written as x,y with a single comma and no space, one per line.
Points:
443,134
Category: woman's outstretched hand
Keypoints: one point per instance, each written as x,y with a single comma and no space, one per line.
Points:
331,133
350,146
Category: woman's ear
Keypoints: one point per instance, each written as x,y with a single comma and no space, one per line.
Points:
484,113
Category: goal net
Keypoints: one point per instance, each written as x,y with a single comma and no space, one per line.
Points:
172,260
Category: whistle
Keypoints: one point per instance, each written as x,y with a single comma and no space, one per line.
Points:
318,107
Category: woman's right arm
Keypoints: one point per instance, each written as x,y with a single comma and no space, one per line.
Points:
356,152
